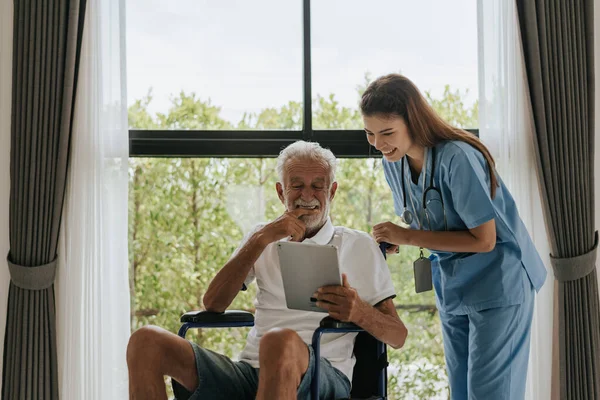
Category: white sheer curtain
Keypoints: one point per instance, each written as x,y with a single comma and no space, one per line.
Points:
92,282
6,36
505,125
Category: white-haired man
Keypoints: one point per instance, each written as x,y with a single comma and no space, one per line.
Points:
278,360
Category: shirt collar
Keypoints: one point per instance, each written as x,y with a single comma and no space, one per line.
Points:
324,235
424,175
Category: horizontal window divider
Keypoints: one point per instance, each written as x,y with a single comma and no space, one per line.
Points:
244,144
223,135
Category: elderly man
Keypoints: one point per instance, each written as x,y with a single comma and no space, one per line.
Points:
278,360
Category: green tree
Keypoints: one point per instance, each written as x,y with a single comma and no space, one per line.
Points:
451,107
287,117
187,215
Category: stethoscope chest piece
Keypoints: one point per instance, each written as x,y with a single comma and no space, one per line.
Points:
407,216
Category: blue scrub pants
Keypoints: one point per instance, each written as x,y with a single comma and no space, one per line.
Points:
487,351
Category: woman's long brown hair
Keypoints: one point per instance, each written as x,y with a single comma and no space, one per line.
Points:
395,95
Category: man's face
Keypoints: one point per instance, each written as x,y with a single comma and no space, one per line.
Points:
306,184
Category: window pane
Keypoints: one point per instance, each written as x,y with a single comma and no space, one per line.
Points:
214,64
432,42
188,215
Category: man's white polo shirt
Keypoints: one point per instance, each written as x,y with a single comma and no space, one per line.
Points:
360,259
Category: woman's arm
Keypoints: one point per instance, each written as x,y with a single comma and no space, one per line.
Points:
480,239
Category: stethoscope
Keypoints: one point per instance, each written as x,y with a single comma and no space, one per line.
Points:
407,215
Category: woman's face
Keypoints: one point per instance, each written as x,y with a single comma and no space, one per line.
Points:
388,134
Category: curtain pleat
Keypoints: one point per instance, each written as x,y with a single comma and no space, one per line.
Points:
46,43
558,42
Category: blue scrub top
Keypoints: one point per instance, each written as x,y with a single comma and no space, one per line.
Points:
470,282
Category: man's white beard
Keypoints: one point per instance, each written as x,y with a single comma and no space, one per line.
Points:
314,222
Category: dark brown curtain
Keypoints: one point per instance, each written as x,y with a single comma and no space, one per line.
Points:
46,48
558,43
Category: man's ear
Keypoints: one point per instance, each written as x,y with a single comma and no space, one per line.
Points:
279,188
332,191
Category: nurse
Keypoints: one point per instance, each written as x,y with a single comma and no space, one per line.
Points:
485,268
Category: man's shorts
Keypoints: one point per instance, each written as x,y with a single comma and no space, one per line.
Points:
221,378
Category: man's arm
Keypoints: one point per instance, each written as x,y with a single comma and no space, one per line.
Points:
381,321
228,281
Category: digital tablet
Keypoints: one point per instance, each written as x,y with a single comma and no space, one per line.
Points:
305,267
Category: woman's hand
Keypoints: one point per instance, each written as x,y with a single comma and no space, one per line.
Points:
391,233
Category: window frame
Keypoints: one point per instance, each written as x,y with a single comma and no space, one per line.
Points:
255,143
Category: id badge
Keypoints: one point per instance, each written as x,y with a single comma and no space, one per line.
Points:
422,271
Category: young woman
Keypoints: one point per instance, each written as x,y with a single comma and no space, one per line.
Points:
485,267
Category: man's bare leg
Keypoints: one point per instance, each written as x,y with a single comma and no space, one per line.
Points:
152,353
283,359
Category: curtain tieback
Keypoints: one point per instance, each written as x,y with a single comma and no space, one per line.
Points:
573,268
32,278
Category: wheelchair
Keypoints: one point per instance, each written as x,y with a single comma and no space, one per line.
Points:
369,378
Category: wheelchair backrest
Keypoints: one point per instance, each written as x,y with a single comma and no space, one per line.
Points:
369,365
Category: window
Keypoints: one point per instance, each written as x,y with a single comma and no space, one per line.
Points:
217,88
239,57
248,68
355,41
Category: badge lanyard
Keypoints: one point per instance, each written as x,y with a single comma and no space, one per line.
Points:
422,265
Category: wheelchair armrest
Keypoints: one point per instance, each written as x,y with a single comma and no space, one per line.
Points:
332,323
208,317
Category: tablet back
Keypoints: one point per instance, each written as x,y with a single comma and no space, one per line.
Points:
305,267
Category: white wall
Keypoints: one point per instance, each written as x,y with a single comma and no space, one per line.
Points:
6,23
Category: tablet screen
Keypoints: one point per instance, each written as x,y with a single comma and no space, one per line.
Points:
305,267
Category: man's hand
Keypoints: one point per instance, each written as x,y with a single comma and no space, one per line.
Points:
341,302
392,249
288,224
